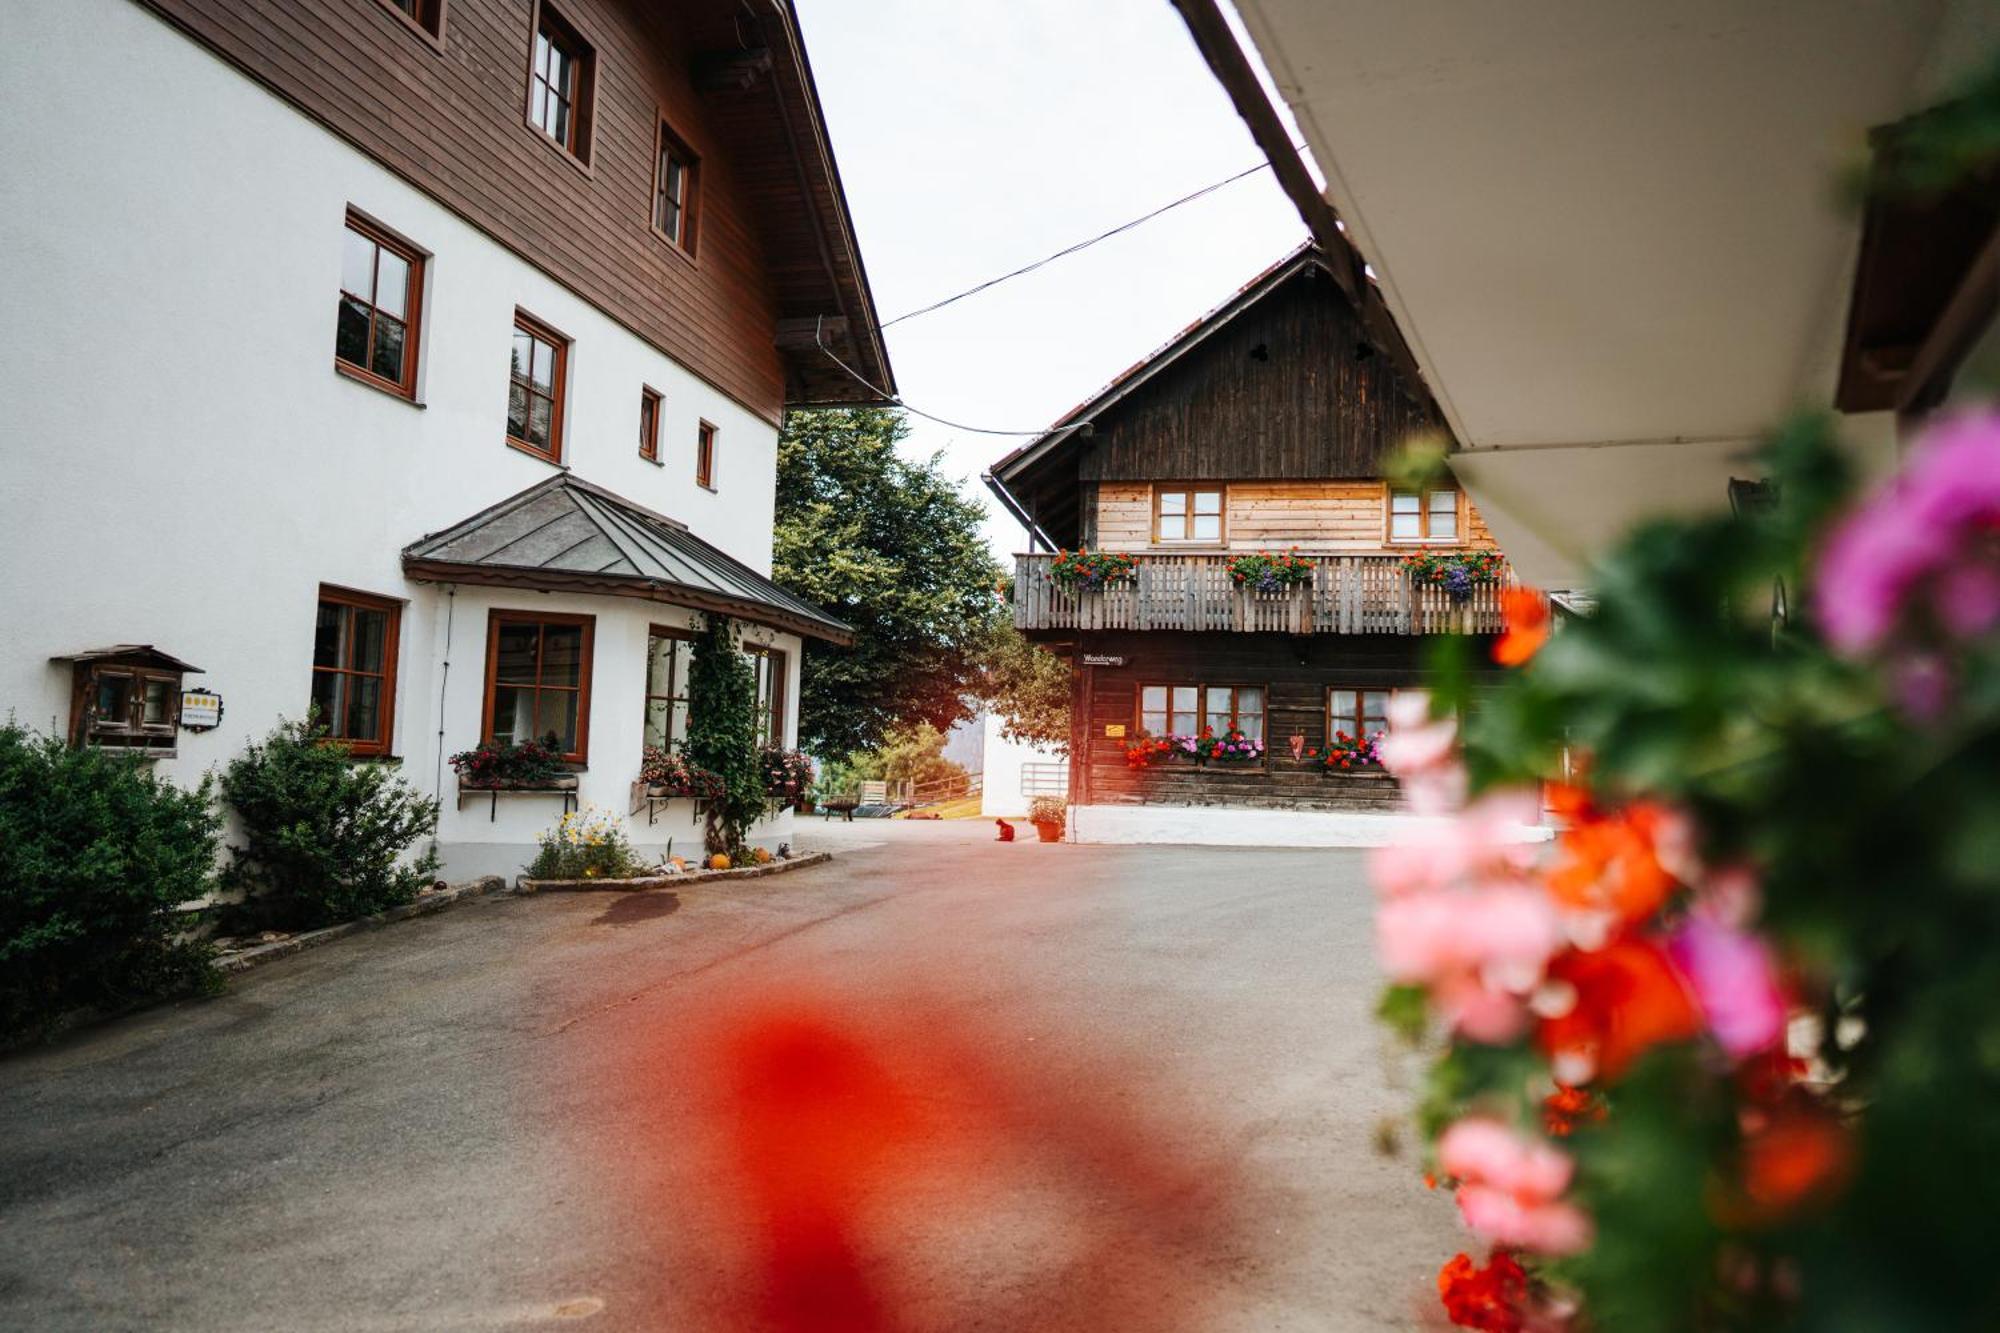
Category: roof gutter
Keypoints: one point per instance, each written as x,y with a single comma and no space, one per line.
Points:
1218,46
1021,516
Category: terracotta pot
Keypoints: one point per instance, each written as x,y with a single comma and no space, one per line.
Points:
1049,832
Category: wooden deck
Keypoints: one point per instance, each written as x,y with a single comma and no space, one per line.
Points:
1348,594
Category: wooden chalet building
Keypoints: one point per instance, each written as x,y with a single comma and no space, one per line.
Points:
1262,427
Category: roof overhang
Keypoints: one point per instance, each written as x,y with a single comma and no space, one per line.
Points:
650,590
1610,233
131,654
568,535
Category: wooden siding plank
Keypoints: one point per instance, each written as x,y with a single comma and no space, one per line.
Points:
451,123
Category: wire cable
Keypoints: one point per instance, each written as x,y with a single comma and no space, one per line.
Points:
893,399
1080,245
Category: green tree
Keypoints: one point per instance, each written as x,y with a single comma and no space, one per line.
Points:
895,549
722,733
1028,687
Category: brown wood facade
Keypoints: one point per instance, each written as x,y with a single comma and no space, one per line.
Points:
1279,403
1295,674
774,253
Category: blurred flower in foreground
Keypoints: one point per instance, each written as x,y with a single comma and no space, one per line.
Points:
1510,1187
1918,563
1526,613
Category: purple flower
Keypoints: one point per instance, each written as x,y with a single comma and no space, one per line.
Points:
1928,541
1735,981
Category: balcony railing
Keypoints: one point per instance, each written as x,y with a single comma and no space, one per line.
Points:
1348,594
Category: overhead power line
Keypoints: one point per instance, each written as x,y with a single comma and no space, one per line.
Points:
882,393
1080,245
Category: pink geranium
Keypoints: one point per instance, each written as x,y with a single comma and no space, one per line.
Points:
1924,547
1735,982
1510,1187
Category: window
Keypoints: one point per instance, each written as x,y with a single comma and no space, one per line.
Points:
381,288
354,668
666,688
426,16
704,456
769,665
673,191
1184,710
538,680
1426,516
649,424
1187,515
1359,713
535,393
559,84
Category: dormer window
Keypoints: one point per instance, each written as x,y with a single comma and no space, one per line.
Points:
127,697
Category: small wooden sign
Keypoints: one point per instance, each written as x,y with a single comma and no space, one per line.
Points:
201,710
1102,659
1115,730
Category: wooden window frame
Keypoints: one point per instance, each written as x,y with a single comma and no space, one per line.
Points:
380,747
680,636
158,740
1201,689
704,455
1461,522
1191,489
558,406
413,300
427,22
495,618
774,714
575,148
1360,708
664,141
651,400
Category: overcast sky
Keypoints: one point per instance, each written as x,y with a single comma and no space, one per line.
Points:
974,138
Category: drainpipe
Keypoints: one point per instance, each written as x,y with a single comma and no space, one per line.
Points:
444,679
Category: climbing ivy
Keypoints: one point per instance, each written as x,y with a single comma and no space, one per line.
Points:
722,734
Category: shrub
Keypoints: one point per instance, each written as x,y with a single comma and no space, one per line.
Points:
585,844
324,836
95,855
722,734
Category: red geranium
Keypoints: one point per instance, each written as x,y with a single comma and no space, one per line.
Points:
1486,1298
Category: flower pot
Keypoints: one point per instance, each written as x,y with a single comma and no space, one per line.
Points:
1049,832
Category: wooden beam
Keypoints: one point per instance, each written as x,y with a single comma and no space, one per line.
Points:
1967,316
1232,68
735,71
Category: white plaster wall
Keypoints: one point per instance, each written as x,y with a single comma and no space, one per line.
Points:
184,467
1212,826
1000,786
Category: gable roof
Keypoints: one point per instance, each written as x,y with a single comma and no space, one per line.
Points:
1306,255
567,535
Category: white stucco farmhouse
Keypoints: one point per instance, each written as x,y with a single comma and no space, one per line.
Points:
354,385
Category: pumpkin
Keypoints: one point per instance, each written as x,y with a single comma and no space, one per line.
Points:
761,857
718,862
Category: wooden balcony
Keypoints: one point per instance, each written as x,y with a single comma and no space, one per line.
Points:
1348,594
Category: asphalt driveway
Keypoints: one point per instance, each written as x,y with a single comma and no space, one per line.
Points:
979,1086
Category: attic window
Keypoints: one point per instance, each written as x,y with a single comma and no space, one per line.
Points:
128,697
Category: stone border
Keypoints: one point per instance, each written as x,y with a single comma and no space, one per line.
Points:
243,960
686,877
